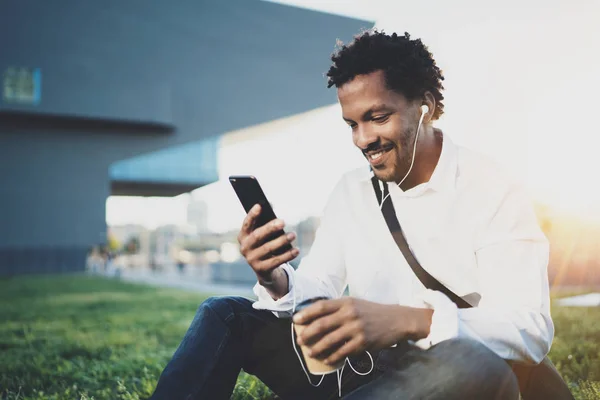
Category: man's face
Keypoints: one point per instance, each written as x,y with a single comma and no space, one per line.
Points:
383,124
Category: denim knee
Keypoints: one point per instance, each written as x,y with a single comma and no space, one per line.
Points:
225,307
469,367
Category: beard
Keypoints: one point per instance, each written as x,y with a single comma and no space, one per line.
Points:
397,167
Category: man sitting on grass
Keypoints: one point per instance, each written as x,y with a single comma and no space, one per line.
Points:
468,225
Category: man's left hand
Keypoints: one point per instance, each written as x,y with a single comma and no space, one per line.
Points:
336,329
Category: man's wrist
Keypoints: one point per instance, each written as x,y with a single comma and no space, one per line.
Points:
277,284
271,279
422,323
267,281
412,323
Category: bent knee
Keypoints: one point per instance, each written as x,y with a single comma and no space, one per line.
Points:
474,370
467,348
225,307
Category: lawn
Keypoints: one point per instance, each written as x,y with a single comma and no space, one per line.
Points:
79,337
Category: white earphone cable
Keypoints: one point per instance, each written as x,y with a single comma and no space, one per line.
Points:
340,372
412,162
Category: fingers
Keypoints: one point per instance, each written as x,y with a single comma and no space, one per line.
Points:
270,248
319,328
317,310
253,239
248,223
256,237
260,255
271,263
332,330
260,234
352,347
332,342
254,250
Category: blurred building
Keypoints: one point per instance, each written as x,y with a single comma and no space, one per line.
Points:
162,244
131,98
123,233
197,215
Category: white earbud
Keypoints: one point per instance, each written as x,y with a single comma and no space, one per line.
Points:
424,109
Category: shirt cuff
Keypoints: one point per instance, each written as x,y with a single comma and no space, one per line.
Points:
444,321
282,307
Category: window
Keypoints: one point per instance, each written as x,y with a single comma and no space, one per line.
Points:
22,86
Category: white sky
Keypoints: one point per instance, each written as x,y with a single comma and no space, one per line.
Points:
521,85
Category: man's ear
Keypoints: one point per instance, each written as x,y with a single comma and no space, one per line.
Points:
429,101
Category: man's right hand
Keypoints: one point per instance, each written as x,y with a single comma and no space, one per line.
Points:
259,253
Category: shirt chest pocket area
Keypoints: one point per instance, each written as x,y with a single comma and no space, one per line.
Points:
370,272
449,256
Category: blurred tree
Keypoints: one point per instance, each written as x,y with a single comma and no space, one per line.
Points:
132,246
113,244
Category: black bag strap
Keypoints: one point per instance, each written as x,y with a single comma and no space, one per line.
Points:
536,382
389,214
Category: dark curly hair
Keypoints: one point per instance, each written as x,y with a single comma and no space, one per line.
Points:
408,65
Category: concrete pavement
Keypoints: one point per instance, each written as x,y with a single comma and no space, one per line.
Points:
192,278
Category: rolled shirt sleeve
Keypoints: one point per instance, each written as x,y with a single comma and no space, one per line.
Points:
321,273
513,317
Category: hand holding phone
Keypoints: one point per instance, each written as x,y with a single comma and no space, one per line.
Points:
250,193
263,241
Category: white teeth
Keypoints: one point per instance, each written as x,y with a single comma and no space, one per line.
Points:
376,155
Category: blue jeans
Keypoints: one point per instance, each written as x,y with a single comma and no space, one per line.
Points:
227,335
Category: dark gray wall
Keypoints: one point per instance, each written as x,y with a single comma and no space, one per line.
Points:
54,189
205,66
199,67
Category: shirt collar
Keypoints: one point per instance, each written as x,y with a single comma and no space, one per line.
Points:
444,174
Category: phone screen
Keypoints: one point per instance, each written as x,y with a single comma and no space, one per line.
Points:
250,193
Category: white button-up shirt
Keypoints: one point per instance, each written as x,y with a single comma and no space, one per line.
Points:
470,227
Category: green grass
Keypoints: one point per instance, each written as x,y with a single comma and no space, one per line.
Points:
78,337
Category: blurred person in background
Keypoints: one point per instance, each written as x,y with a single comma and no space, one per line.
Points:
180,265
95,261
466,222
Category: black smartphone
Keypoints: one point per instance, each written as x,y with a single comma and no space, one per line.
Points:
249,192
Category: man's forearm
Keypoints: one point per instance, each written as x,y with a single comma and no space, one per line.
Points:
277,285
375,326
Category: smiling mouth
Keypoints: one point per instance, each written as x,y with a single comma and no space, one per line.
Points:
373,157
